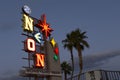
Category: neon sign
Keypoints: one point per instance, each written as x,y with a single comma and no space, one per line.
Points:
27,23
38,37
52,41
30,45
44,26
26,9
36,32
40,60
56,50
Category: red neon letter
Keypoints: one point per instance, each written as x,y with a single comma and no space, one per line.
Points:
30,45
40,60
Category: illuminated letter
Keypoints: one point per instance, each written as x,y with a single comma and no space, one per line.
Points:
27,23
30,45
40,60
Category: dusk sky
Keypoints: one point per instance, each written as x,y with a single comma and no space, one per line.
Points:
100,18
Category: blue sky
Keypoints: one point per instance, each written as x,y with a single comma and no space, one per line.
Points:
100,18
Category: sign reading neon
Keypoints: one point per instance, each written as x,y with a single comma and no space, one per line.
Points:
30,42
43,53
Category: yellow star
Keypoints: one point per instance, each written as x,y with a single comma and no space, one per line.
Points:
52,41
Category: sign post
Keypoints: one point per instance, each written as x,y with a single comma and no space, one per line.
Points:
43,53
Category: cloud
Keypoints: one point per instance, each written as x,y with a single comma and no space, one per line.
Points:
95,61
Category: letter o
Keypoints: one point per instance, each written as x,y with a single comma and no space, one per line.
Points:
30,44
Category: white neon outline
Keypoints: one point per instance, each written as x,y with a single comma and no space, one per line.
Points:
29,47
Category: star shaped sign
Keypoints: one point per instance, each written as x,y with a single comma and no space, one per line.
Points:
44,26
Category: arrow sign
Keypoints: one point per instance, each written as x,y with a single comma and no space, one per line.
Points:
38,37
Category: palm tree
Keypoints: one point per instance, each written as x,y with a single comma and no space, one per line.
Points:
68,43
66,68
79,44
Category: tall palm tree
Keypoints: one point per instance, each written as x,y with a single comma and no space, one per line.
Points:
66,68
79,44
68,43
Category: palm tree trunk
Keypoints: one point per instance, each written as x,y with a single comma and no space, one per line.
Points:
65,75
80,62
72,60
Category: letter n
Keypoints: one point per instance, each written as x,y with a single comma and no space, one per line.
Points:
27,23
40,60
